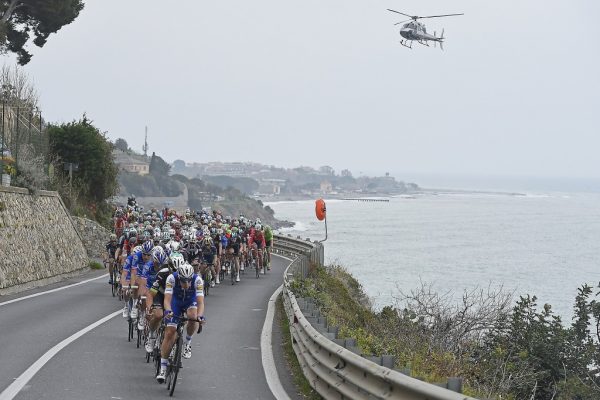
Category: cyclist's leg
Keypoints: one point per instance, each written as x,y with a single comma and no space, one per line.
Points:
192,313
169,339
125,280
154,319
236,263
217,262
111,268
142,302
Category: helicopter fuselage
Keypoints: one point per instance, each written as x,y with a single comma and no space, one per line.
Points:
416,31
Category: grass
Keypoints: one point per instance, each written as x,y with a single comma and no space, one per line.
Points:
95,265
293,365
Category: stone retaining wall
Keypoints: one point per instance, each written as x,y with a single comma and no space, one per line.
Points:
94,236
38,241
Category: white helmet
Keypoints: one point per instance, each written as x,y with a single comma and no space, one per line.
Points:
137,249
177,260
185,271
174,245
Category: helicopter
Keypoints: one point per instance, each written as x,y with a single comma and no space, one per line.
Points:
415,30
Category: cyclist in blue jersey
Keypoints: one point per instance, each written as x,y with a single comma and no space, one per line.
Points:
129,275
184,292
154,300
140,257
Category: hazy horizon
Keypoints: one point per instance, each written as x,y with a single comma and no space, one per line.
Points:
328,84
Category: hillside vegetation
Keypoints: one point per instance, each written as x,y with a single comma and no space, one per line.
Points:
501,350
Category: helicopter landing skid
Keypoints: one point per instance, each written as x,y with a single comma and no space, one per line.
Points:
404,43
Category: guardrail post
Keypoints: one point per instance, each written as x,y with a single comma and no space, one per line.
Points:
455,384
388,361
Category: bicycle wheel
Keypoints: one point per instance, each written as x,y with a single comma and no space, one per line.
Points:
139,333
255,265
130,329
232,273
113,286
146,337
174,366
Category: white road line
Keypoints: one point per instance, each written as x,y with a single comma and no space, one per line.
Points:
279,255
266,351
52,290
10,392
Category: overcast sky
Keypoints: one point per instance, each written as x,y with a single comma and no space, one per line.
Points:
516,91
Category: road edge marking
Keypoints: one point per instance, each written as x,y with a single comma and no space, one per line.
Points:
14,388
266,351
51,290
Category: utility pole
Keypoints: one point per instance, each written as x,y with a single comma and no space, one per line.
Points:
145,147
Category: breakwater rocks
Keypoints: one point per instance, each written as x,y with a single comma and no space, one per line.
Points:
38,240
93,235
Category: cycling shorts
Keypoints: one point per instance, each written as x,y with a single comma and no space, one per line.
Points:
158,300
207,259
268,243
179,307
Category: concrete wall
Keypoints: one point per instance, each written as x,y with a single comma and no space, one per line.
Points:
38,241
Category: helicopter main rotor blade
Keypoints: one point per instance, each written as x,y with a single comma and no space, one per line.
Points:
438,16
398,12
401,22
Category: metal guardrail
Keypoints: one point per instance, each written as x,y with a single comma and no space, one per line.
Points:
332,370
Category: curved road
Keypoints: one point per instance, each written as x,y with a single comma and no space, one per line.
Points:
102,364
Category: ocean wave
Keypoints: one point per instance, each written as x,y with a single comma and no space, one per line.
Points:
298,227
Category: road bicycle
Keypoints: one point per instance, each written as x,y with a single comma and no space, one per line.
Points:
130,321
175,355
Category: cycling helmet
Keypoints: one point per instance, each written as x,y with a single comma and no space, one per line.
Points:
207,241
177,260
137,249
113,237
175,246
165,236
258,227
147,247
132,241
159,255
185,271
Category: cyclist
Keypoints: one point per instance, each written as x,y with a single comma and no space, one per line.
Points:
156,276
208,253
268,244
256,242
233,251
143,264
110,256
184,292
129,275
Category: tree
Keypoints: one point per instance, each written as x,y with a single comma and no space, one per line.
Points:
82,143
121,144
16,87
21,19
158,166
178,166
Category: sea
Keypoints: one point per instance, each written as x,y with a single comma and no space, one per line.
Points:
542,244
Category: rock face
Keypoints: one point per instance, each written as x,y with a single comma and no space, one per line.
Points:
38,240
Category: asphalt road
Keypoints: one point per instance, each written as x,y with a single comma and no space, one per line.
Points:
102,364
